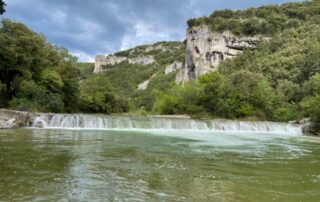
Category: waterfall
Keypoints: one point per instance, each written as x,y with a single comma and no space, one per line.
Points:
100,122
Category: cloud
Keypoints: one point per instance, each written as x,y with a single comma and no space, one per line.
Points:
83,56
88,28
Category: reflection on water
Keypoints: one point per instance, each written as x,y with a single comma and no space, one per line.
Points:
53,165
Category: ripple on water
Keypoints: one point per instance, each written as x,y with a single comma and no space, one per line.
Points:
157,166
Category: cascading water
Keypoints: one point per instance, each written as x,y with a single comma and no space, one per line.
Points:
100,122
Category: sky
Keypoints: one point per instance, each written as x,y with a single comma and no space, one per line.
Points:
92,27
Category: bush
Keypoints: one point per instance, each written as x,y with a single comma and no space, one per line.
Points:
35,75
97,95
311,105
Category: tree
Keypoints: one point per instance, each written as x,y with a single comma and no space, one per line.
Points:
214,88
34,74
2,5
311,105
97,95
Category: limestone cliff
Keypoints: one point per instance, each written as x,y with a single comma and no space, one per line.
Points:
102,60
143,55
205,50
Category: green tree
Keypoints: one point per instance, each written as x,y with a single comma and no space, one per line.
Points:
311,105
97,95
35,74
214,88
2,5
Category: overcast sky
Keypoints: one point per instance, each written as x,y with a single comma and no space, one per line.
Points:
91,27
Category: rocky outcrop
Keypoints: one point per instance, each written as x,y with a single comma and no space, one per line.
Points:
156,47
307,127
173,67
102,60
206,50
142,60
13,119
8,124
144,85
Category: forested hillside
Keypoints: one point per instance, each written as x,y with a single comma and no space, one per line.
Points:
267,20
277,81
126,77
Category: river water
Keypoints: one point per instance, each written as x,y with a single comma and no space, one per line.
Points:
157,165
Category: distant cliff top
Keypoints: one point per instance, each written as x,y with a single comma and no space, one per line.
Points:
265,20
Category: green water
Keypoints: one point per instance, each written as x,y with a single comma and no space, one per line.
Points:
51,165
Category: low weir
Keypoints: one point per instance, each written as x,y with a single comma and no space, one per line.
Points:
103,122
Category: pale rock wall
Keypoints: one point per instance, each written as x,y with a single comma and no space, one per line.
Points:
157,47
173,67
144,85
102,60
206,50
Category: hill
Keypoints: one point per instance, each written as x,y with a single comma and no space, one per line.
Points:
276,78
260,63
141,72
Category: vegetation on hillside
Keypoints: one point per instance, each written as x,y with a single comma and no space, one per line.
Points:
2,5
38,76
277,81
266,20
98,95
126,77
86,69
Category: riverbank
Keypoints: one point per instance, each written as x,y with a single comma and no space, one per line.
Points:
14,119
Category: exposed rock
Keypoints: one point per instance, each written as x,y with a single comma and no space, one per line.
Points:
102,60
144,85
206,50
142,60
180,76
304,121
8,124
156,47
307,129
13,119
173,67
106,60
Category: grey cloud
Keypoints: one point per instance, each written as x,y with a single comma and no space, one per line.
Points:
93,27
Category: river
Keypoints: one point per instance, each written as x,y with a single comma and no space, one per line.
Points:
157,165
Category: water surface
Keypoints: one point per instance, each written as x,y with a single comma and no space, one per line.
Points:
158,165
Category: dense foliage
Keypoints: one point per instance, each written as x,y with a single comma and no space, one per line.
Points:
241,94
86,69
97,95
34,74
126,77
266,20
2,5
38,76
277,81
311,104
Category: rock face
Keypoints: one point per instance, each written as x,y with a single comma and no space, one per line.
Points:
156,47
144,85
13,119
102,60
206,50
9,124
173,67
